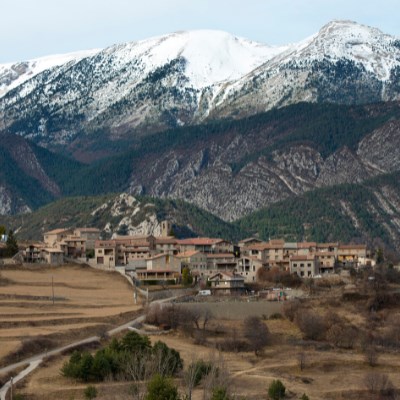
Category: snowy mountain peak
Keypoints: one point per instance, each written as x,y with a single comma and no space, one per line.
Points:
352,27
342,39
188,77
210,56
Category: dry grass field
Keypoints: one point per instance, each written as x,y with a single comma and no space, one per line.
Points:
86,302
330,372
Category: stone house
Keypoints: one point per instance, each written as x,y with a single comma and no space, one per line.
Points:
54,237
226,283
160,267
205,245
305,266
89,234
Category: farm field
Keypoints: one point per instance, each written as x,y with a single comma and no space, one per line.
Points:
86,302
329,372
333,366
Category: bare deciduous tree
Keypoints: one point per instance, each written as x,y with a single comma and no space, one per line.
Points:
207,316
378,383
256,333
311,324
301,358
371,356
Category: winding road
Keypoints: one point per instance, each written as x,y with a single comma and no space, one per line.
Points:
34,361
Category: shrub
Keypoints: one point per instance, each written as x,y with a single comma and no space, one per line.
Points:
161,388
276,316
132,356
220,393
90,392
291,309
233,343
133,342
342,335
311,324
169,359
199,369
276,390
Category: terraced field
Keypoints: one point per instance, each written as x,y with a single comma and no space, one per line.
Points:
85,302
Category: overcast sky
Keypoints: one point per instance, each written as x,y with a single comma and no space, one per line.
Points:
34,28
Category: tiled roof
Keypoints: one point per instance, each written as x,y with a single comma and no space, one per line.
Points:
52,250
57,231
353,246
166,240
190,253
302,258
220,255
199,241
229,276
93,230
251,239
306,245
136,237
259,247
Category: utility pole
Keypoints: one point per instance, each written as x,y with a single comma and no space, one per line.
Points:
52,287
135,293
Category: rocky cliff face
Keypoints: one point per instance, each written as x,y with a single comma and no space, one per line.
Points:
206,176
11,203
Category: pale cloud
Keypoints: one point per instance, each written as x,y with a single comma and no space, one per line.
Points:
34,28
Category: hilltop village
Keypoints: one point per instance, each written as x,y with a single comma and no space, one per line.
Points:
222,265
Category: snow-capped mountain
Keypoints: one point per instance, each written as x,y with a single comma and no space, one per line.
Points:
190,77
15,74
344,62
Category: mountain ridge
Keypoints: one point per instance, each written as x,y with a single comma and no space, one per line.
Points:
230,168
365,212
180,79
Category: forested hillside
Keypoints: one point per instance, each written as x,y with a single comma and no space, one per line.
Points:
230,168
367,212
121,214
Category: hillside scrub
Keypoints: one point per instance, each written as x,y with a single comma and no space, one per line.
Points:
132,357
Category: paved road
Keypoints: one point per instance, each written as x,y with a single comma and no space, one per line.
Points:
21,375
34,361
